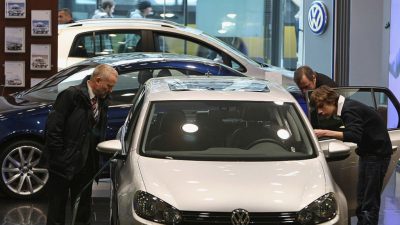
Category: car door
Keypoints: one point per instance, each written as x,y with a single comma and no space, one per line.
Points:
345,172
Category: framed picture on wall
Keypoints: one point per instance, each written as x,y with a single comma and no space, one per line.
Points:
15,9
35,81
14,41
41,23
40,57
14,72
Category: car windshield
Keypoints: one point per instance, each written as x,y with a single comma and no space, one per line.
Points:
50,87
226,130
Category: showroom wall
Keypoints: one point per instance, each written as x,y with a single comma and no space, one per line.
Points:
28,44
369,42
318,48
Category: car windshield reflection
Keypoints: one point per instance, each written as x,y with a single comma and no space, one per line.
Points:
226,130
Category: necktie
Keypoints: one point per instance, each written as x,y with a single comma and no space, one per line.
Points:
95,108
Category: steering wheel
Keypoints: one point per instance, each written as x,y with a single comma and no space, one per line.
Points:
268,140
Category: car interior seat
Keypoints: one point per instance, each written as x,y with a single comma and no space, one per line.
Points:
164,73
170,137
144,75
256,119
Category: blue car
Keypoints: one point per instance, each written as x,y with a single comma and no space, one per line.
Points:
23,115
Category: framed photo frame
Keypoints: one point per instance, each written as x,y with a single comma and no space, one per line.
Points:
14,72
41,23
35,81
40,57
14,41
15,9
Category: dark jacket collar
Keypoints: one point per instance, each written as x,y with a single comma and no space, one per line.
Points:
83,88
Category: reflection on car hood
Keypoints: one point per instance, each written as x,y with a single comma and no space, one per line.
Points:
279,186
10,103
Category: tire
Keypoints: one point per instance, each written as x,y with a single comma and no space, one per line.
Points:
20,176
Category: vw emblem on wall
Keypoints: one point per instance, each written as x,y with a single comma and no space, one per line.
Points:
240,217
317,17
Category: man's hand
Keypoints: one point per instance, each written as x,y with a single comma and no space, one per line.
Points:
328,133
321,133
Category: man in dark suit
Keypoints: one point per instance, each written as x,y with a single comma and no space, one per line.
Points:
307,79
365,127
73,130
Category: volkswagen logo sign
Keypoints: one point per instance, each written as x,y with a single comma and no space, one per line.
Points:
240,217
317,18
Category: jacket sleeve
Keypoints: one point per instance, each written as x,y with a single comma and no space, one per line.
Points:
63,106
353,127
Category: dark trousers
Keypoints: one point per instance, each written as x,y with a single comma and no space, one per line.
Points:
372,170
58,191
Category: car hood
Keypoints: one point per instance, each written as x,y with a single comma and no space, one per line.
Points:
224,186
10,104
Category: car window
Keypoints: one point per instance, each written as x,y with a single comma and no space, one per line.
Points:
105,42
226,130
125,89
180,45
49,88
132,119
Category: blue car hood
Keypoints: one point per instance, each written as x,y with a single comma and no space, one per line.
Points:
11,104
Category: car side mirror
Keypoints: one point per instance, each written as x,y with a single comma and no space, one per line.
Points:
335,150
110,147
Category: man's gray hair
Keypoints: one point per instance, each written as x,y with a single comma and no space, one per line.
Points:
103,71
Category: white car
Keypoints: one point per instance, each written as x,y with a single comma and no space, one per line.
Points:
226,151
88,38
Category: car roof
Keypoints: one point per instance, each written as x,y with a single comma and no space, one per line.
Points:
130,22
143,57
215,88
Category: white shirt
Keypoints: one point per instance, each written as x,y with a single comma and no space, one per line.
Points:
340,105
91,94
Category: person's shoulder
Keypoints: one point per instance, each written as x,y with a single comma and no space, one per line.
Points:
322,75
323,79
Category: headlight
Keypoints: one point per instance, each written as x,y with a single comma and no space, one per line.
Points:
152,208
321,210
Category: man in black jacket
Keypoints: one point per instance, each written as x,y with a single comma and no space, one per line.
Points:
307,79
365,127
75,126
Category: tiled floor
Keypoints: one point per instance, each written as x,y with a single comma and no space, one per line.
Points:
14,212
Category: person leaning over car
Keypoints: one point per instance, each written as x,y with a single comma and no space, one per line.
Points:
73,130
363,126
307,79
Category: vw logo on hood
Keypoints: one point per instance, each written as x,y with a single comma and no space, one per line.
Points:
317,17
240,217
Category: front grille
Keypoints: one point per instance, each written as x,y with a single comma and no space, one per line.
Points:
224,218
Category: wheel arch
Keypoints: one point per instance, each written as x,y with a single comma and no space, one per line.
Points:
21,136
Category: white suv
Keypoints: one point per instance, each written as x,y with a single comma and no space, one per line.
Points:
225,151
89,38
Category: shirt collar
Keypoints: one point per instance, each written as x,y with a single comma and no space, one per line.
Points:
340,105
91,94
